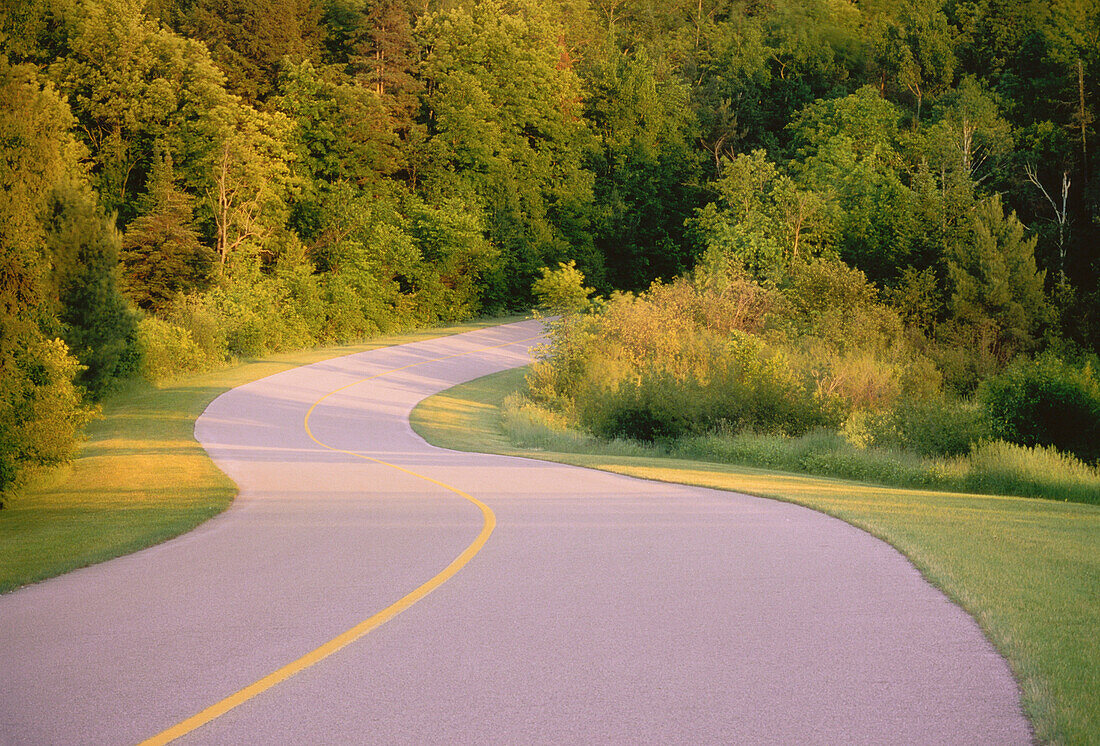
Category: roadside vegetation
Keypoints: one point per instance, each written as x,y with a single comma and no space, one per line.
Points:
1028,570
813,373
140,477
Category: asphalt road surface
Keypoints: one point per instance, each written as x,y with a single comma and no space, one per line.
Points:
602,609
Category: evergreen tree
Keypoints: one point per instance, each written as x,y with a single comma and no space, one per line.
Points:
95,321
997,288
161,252
250,39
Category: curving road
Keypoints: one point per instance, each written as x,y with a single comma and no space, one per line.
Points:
601,609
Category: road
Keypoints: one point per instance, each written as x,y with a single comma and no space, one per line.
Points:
600,609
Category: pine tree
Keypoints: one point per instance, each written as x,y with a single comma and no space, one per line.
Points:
997,286
161,251
95,321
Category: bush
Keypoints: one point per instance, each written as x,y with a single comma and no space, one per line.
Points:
167,351
562,290
655,407
193,313
1046,402
706,383
41,409
939,426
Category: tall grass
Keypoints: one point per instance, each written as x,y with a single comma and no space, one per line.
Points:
991,467
529,426
997,467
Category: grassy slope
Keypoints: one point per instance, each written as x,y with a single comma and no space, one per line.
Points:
141,477
1027,570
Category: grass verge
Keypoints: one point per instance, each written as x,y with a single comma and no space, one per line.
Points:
1028,570
140,477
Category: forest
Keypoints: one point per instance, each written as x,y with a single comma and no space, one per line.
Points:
795,213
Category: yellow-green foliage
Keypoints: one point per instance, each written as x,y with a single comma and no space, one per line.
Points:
167,351
850,345
41,410
719,351
562,290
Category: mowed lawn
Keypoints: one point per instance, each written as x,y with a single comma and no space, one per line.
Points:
140,477
1028,570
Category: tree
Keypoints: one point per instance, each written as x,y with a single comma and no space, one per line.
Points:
250,39
383,56
997,288
913,52
506,137
969,131
162,255
643,168
764,219
455,255
135,87
95,321
340,138
41,410
852,148
562,290
250,176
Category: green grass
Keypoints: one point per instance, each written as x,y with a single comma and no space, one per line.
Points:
140,477
1028,570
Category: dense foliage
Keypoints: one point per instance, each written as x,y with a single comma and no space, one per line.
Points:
817,374
186,181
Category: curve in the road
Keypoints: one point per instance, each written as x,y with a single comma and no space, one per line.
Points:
346,638
603,609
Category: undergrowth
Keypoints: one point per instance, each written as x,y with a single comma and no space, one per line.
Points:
990,467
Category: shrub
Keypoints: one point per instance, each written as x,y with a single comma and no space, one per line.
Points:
1046,402
654,407
940,426
41,409
167,350
706,383
562,290
193,313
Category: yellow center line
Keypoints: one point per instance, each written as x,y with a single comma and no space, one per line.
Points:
346,638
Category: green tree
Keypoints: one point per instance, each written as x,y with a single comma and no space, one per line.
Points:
455,255
41,411
505,135
136,87
643,169
852,147
250,39
249,185
95,321
997,288
340,138
764,219
562,290
913,52
162,255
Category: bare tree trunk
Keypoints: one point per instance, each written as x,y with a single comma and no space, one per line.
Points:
1060,215
221,213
